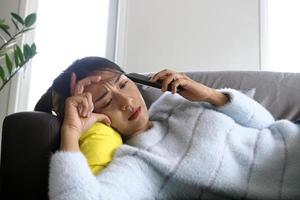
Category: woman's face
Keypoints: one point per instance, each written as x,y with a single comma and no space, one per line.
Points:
119,98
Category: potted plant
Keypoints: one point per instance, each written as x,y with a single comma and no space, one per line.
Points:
12,56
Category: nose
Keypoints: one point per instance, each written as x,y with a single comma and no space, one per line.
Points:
124,101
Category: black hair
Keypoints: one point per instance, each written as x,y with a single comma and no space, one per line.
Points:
61,85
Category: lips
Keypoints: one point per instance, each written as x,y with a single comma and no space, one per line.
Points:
135,113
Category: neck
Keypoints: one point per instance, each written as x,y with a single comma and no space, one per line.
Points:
145,128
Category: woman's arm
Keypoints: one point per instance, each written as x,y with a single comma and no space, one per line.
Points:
70,177
217,98
245,110
126,177
79,114
78,118
192,90
238,106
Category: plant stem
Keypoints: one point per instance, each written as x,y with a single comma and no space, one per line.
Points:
3,38
11,39
13,74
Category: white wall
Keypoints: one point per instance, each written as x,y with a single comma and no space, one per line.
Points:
189,35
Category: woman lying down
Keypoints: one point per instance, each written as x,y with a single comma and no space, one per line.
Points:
199,143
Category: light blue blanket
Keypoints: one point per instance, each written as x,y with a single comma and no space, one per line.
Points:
193,151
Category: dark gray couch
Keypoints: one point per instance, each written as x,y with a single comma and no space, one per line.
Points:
29,138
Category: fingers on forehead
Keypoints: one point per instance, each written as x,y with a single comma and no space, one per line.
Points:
91,79
102,86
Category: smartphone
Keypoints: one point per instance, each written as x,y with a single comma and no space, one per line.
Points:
142,79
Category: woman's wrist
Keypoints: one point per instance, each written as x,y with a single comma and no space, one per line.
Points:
217,98
69,140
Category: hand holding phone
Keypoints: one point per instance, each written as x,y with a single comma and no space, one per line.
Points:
142,79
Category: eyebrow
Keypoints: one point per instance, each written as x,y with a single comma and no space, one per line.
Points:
103,95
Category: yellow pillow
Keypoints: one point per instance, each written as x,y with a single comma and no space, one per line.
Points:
98,145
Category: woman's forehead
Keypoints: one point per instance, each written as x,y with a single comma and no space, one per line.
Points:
106,75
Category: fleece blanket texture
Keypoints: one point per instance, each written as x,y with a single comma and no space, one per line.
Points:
193,151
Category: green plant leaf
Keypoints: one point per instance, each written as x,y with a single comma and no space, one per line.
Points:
30,20
15,23
8,63
27,51
16,57
2,21
33,49
2,74
17,17
20,54
5,28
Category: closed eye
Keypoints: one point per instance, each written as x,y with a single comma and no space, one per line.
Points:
123,84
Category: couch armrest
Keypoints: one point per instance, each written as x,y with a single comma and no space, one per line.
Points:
28,138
